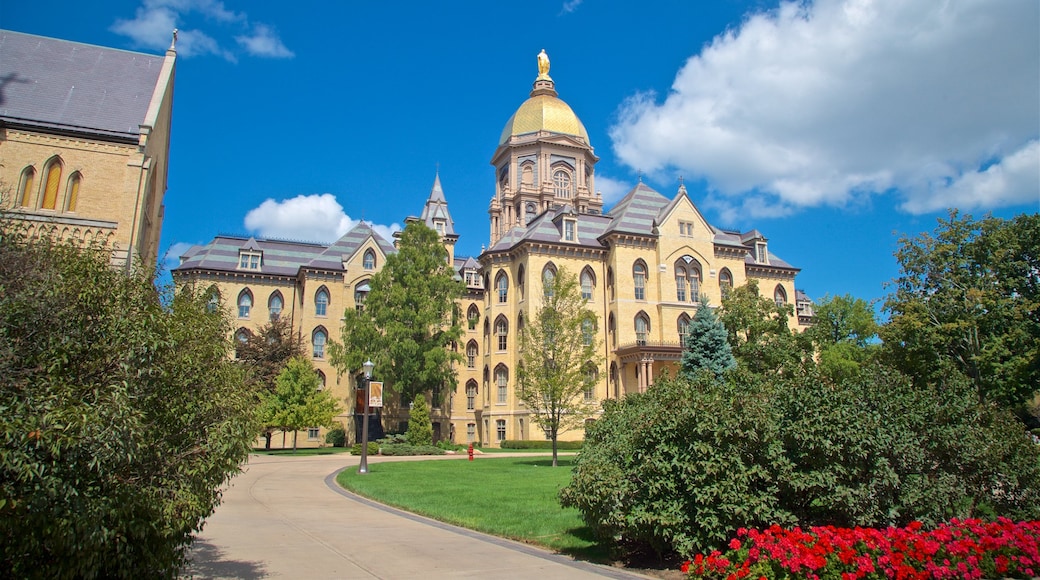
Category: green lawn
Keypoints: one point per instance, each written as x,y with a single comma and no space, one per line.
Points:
512,497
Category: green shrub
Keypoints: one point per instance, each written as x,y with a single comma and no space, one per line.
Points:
447,445
373,448
394,439
401,450
534,444
420,429
337,437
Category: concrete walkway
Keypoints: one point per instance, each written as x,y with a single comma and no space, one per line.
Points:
287,518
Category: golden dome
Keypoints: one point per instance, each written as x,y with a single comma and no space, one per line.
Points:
544,112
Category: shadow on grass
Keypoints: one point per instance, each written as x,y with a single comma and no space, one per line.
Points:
562,462
208,561
598,552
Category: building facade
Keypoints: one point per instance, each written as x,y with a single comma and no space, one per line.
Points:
84,141
642,266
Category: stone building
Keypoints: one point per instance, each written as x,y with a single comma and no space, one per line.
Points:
85,140
642,265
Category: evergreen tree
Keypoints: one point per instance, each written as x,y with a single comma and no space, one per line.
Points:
706,345
420,430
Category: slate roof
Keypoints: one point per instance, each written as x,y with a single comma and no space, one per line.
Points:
280,258
637,212
64,85
437,208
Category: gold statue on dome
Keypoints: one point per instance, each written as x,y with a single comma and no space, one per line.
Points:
543,64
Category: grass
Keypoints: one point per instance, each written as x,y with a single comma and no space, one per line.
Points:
511,497
301,452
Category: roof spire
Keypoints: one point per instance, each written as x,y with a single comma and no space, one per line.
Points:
543,83
682,186
173,43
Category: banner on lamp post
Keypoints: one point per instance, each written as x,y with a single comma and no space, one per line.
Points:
375,394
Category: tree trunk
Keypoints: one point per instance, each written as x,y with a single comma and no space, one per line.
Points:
554,435
294,442
267,440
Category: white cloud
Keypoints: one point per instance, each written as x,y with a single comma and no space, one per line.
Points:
172,259
570,6
154,20
611,189
264,42
312,218
827,103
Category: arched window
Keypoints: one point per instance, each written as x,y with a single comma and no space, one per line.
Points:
502,382
502,285
527,174
520,281
72,191
275,304
687,279
639,280
562,183
680,282
684,328
245,303
725,282
369,261
610,281
361,294
473,316
642,328
487,335
694,272
321,302
471,395
471,354
52,179
780,296
25,187
322,381
612,329
592,376
614,380
520,323
588,283
214,295
588,331
241,338
548,279
502,332
318,339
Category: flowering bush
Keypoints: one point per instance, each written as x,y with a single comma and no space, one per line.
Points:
958,549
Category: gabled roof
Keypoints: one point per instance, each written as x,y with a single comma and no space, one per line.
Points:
64,85
637,211
345,248
436,208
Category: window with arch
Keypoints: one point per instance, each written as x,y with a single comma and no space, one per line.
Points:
321,380
502,382
471,354
780,296
592,376
471,395
321,302
683,328
725,282
562,183
473,316
369,261
642,328
487,335
612,329
588,331
502,285
502,332
520,281
639,280
687,279
52,180
527,174
214,299
72,191
614,380
25,187
245,303
318,339
275,304
610,281
548,280
520,323
241,338
588,283
361,294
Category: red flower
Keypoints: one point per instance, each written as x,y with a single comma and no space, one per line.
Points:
734,544
685,568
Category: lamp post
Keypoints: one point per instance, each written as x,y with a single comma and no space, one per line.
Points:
368,366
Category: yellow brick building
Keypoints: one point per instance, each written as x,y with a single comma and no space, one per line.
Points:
642,266
84,141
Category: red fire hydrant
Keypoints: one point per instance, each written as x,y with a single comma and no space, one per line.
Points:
471,452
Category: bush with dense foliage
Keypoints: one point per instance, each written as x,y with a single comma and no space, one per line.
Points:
337,436
536,444
681,467
123,414
373,448
959,549
405,449
420,429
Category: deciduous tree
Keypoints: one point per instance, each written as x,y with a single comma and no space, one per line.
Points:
296,402
843,333
758,331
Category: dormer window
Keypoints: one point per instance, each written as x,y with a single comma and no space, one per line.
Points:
249,260
369,261
761,254
439,226
570,230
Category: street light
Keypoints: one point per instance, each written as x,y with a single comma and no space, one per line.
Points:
368,366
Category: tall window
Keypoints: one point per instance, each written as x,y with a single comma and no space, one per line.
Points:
502,381
684,329
500,429
50,185
26,186
592,375
322,381
471,395
587,284
245,304
471,354
360,294
562,184
242,337
369,261
472,316
527,174
471,432
680,283
72,192
274,304
548,280
502,283
520,282
321,302
570,228
639,278
725,282
612,329
687,279
642,328
502,331
318,340
780,296
588,330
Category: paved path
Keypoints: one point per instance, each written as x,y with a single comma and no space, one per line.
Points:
286,518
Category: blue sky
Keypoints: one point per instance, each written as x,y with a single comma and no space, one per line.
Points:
833,127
